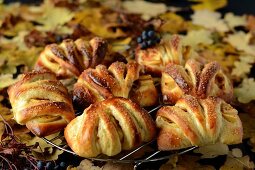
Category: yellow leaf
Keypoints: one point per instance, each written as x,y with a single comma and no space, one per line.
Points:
94,21
172,23
50,155
208,4
146,9
245,91
43,146
192,38
212,151
240,41
234,20
121,45
7,80
243,67
209,19
53,18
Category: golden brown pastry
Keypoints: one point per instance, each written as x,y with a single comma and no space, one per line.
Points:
97,84
196,79
144,91
156,58
41,102
108,127
198,122
70,58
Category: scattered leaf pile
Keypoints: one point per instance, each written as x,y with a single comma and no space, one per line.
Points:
227,38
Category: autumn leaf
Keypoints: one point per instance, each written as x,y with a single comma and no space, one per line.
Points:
248,125
146,9
7,80
212,151
94,21
192,40
234,163
217,52
243,67
245,91
120,45
240,36
208,4
87,164
235,20
209,19
53,18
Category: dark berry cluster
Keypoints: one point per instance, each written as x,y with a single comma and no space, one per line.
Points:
147,39
50,165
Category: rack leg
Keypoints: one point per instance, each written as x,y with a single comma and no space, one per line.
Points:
136,165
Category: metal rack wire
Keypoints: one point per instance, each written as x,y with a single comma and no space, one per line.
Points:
148,148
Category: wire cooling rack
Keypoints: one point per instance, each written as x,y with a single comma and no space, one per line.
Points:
147,152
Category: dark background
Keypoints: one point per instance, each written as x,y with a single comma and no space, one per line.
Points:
236,6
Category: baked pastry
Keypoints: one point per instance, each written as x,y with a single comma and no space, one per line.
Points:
41,102
155,59
144,91
108,127
70,58
197,122
197,79
119,80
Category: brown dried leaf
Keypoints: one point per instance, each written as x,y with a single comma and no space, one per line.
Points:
117,166
189,162
88,165
234,163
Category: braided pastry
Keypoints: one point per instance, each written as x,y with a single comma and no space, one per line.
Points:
198,122
156,58
108,127
41,102
70,58
101,83
195,79
144,91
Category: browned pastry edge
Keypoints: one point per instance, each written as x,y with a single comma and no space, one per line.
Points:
114,114
42,115
197,122
195,80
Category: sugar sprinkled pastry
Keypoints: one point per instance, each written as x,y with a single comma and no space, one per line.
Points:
197,122
41,102
70,58
108,127
154,59
197,79
101,83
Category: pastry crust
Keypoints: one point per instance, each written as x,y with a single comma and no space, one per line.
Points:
109,127
156,58
198,122
98,84
70,58
41,102
197,79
